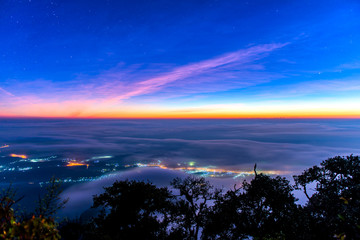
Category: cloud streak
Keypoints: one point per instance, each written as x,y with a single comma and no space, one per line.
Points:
6,92
193,70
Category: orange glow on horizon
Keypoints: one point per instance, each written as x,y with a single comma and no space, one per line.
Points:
226,116
18,156
219,111
294,115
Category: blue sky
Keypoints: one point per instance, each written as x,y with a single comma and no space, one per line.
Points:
179,58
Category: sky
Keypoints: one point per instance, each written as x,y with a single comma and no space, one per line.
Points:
180,59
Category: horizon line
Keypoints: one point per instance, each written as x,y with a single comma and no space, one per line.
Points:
181,118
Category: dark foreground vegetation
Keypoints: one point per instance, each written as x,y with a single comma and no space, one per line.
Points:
264,208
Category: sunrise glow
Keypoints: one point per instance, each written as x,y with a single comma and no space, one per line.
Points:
249,81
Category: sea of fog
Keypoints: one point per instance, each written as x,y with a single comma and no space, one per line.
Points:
33,150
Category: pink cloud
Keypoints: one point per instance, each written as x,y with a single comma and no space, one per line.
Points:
212,66
6,92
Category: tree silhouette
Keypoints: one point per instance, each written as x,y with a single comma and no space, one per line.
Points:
261,209
132,210
335,206
50,203
191,207
16,227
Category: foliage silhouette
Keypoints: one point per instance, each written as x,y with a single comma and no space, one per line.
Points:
18,227
51,202
262,209
133,210
334,208
191,208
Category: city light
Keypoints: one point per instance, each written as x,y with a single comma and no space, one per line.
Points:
74,163
18,155
212,172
